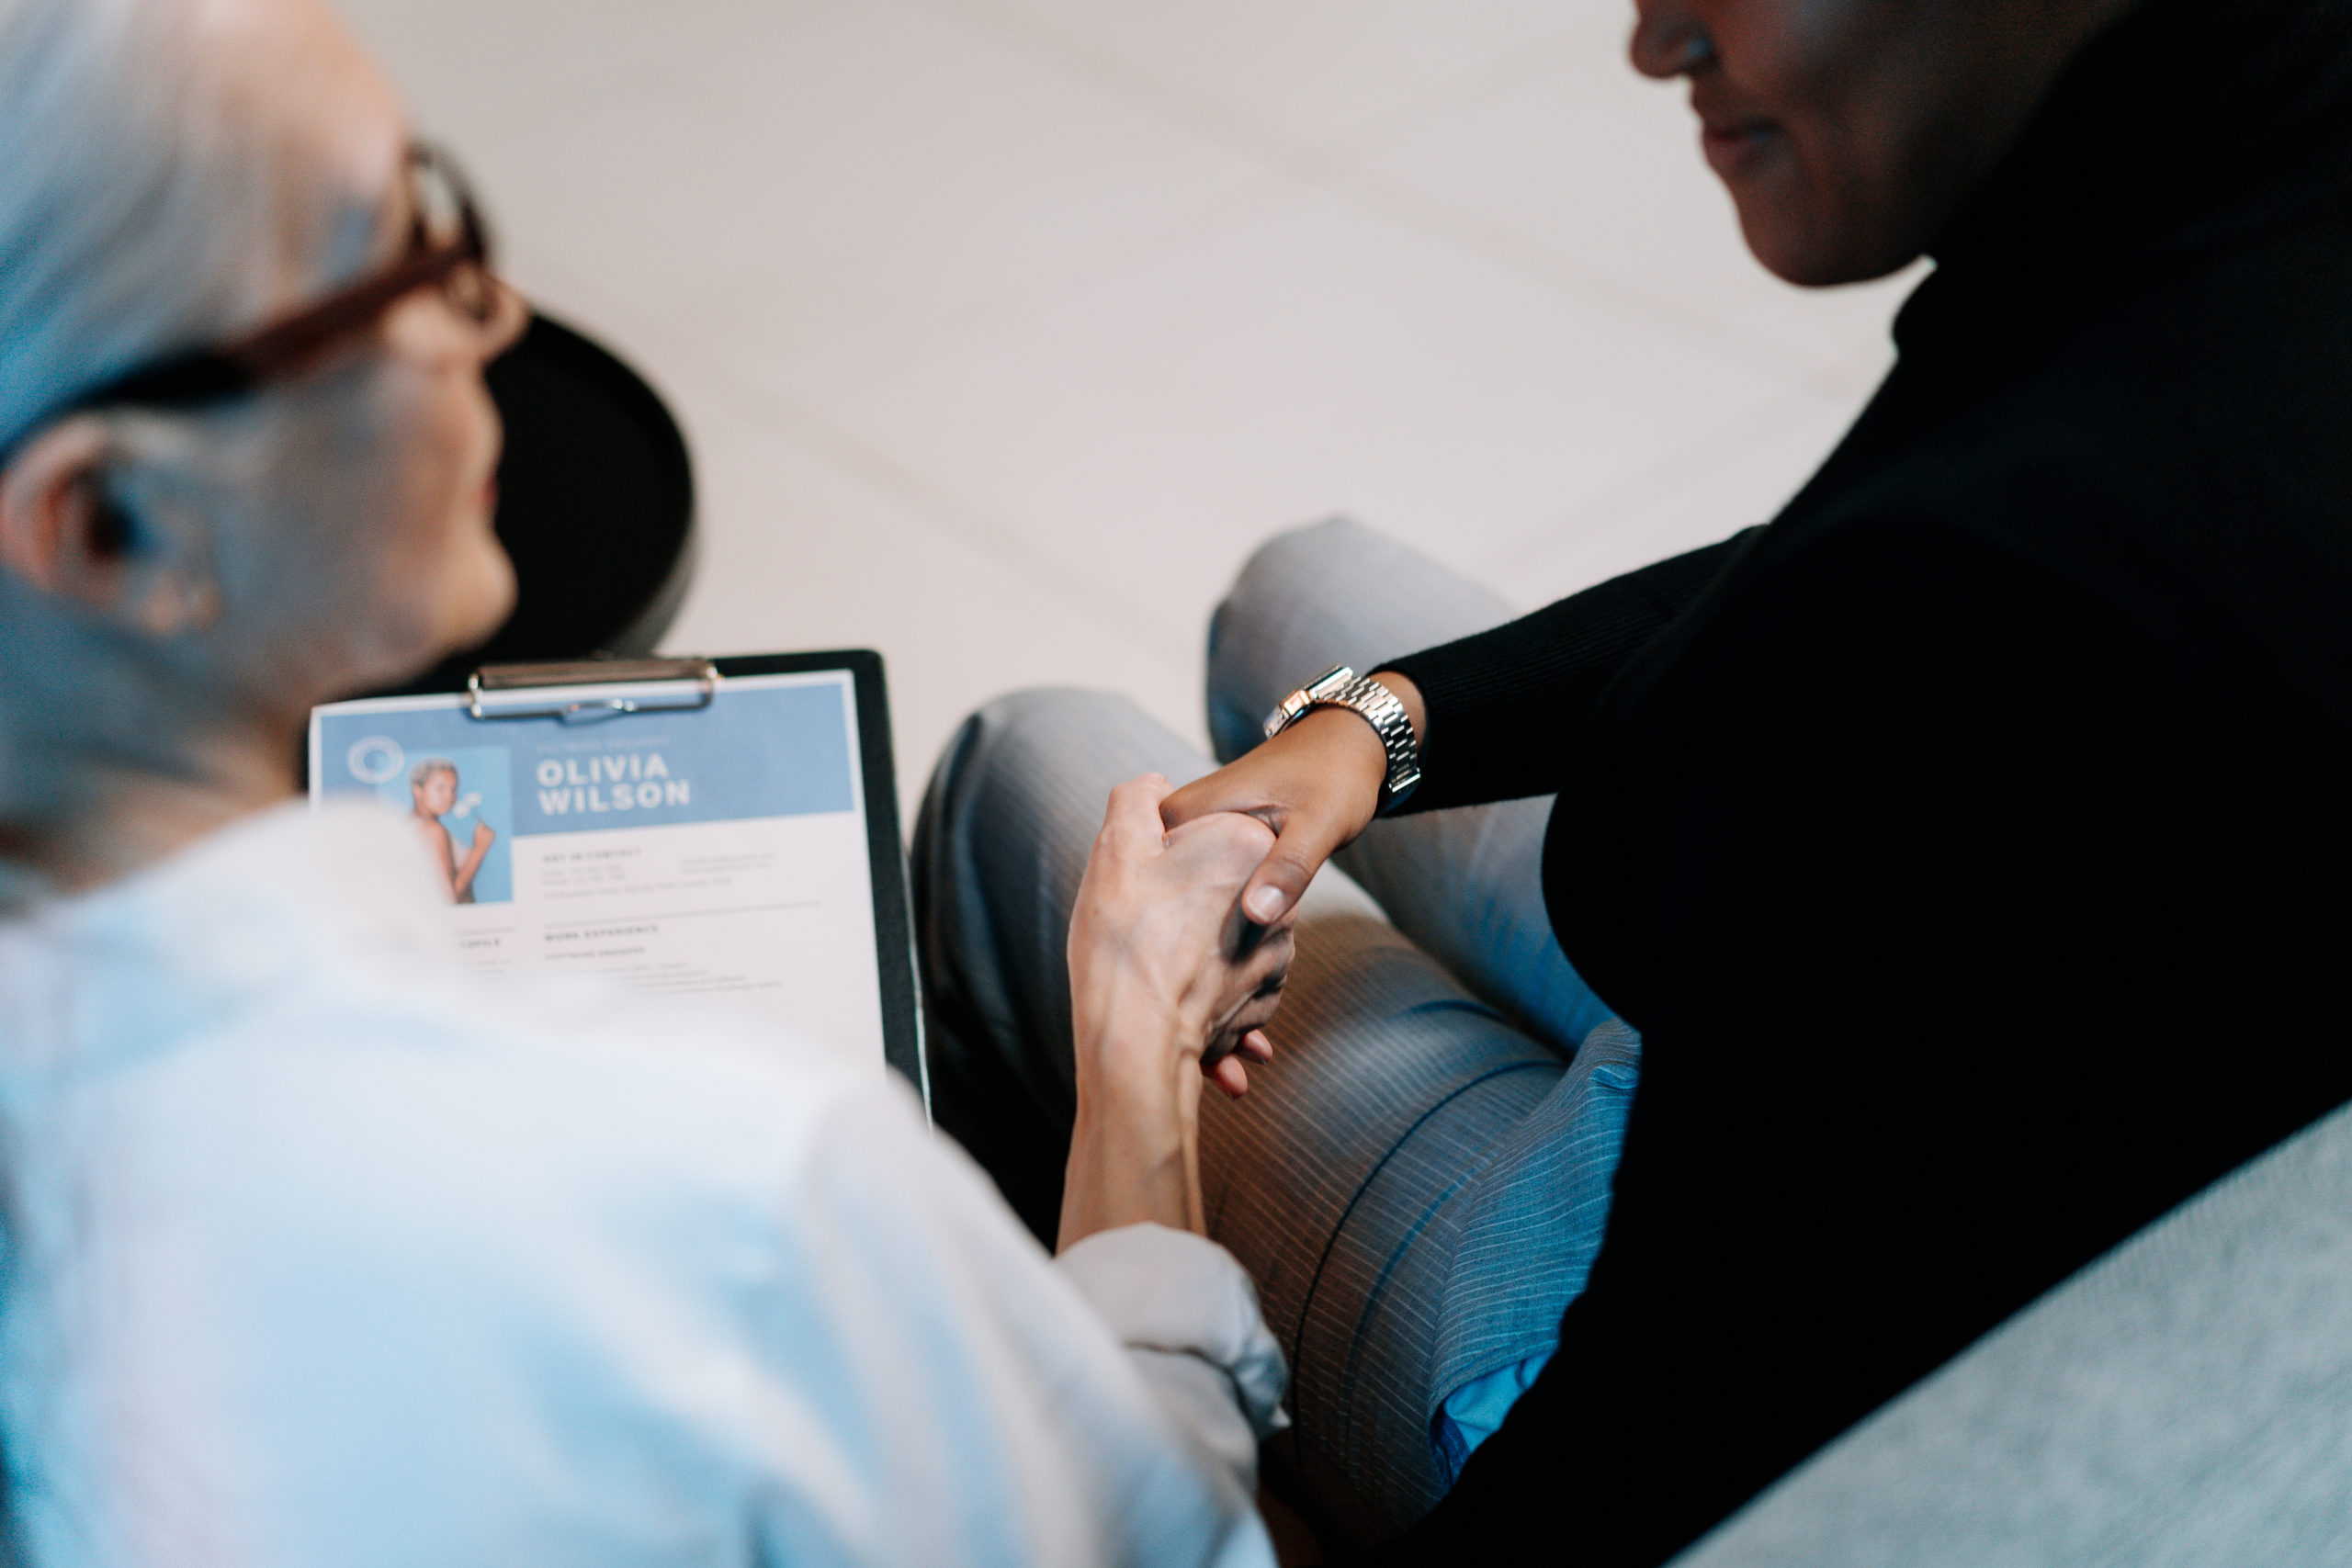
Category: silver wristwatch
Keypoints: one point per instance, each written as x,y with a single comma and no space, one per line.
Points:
1341,687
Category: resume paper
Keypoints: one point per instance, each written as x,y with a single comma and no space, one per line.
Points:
712,850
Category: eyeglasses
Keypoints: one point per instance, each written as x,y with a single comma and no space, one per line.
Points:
448,248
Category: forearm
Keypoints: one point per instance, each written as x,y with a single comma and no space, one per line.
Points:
1134,1154
1124,1171
1501,709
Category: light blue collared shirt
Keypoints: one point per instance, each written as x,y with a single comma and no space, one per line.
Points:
325,1250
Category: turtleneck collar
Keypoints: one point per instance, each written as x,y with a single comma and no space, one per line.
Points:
2182,109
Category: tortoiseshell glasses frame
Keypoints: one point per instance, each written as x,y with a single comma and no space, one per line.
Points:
449,248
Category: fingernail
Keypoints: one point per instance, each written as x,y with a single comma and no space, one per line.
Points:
1265,904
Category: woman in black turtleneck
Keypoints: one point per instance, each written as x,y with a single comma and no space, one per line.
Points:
1970,844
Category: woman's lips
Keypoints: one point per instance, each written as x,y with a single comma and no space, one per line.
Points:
1736,150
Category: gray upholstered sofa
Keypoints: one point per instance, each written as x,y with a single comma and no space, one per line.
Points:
2184,1400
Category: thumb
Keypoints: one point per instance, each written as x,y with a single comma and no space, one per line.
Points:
1308,840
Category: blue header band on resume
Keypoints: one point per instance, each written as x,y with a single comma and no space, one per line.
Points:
763,752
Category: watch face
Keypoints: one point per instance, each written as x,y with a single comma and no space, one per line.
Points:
1288,710
1330,681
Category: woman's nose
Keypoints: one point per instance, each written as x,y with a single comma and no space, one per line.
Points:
1669,40
510,314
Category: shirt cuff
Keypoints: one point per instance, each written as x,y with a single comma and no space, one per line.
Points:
1172,1291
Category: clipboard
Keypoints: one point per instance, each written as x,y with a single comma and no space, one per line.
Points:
649,804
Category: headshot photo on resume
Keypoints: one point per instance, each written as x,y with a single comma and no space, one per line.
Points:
433,786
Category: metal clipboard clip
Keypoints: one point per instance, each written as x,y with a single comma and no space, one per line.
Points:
589,691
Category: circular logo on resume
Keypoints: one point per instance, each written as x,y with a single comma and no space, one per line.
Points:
375,760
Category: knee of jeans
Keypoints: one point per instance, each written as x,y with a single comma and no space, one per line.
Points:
1246,631
1014,734
1302,548
1039,718
1026,736
1038,746
1275,576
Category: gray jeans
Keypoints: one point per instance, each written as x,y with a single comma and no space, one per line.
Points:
1418,1180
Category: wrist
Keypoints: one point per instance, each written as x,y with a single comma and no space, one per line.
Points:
1132,1070
1380,709
1132,1020
1336,732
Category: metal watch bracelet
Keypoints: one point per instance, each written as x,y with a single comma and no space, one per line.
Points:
1342,687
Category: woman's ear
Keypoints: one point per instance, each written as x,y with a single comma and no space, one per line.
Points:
64,532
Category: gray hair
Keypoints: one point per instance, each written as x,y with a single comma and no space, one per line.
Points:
140,212
159,191
427,768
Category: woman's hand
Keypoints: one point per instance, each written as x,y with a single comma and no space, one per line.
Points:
1316,785
1167,981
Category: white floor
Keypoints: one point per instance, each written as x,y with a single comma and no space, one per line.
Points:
1002,330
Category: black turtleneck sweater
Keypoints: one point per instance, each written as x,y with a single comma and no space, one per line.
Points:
1972,844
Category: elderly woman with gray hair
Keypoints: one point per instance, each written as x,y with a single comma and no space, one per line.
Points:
321,1251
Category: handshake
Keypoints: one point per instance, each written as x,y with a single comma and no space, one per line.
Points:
1170,985
1180,940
